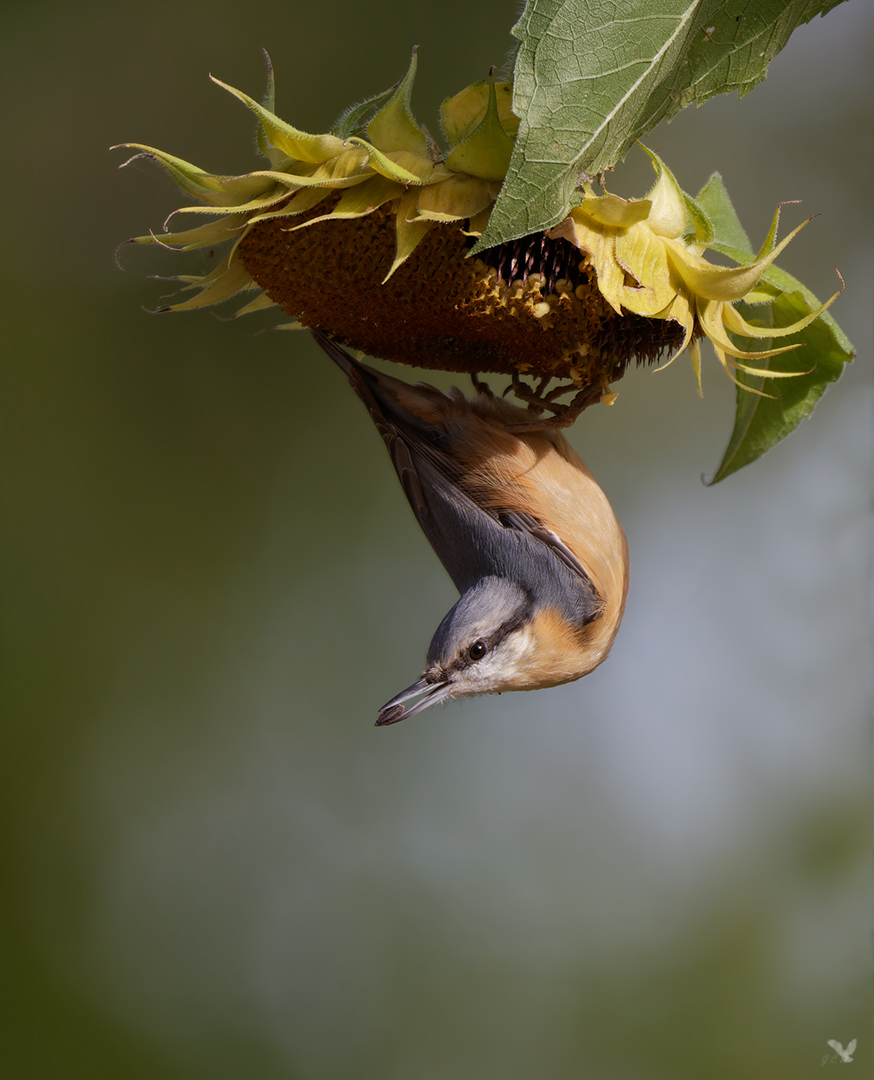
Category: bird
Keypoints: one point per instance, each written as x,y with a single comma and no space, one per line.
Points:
845,1055
522,528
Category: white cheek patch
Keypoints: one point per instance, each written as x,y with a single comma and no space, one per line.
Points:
501,668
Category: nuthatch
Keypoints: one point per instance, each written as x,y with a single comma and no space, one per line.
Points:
523,530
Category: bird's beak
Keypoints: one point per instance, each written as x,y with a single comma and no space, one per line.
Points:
431,692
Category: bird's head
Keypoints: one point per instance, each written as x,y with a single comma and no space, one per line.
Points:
496,638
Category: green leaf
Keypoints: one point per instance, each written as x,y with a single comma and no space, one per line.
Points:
727,229
761,422
593,76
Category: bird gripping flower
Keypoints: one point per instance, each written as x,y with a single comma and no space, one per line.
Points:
365,232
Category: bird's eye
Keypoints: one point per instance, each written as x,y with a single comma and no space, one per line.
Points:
477,651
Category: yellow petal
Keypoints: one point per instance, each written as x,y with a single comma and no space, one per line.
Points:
478,223
299,203
320,178
695,356
360,200
214,232
260,303
737,324
409,230
232,279
767,372
387,166
640,252
249,186
276,195
771,238
710,316
613,211
598,243
455,199
425,171
680,311
348,163
727,365
194,181
719,282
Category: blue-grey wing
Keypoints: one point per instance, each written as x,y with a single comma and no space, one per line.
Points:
472,541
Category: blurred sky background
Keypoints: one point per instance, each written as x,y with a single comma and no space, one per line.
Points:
214,865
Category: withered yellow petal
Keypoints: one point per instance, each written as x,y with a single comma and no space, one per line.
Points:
300,202
721,282
213,232
613,211
711,314
410,230
233,279
737,324
642,254
454,199
360,200
386,166
193,181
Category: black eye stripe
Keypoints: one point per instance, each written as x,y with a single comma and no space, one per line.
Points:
465,659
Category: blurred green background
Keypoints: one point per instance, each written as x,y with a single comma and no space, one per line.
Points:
214,866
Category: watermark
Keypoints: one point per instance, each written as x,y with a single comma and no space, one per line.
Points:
841,1054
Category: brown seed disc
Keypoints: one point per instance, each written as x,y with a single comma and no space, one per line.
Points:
441,309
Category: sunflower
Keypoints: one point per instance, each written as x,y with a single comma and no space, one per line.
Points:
366,232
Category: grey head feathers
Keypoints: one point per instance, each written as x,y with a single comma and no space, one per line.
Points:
486,613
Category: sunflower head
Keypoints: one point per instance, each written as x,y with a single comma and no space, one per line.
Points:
366,233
